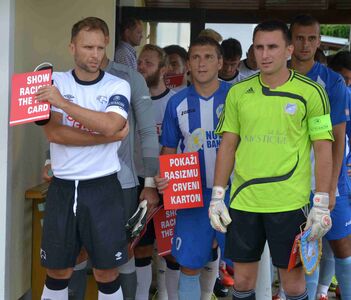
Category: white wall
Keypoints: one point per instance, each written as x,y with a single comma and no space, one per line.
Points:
6,63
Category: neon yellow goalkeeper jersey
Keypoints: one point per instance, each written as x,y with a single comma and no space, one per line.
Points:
272,170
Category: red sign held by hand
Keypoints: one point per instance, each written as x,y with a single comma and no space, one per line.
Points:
164,223
184,189
24,108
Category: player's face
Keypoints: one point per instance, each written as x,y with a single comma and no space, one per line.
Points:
204,64
148,66
271,52
306,40
346,73
135,35
230,66
88,49
176,66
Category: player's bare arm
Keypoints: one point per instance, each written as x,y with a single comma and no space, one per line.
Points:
106,123
324,165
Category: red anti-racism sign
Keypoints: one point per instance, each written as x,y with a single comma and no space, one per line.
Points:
184,189
24,108
173,81
164,223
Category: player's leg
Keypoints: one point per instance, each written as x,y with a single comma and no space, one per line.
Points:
340,241
245,240
281,229
101,228
209,274
326,270
60,246
172,277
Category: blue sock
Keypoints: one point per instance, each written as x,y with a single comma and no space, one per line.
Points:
311,283
189,287
327,264
343,275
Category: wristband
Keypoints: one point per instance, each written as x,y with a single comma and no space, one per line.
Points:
47,162
321,199
218,192
149,182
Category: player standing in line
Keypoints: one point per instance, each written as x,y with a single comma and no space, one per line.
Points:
190,120
84,204
306,39
271,186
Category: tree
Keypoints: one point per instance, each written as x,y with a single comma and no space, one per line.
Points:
341,30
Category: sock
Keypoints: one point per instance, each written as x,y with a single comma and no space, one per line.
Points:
311,283
144,278
303,296
128,279
56,289
172,280
208,277
161,278
326,268
244,295
118,295
57,295
189,287
343,275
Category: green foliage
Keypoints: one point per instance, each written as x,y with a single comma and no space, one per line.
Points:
342,31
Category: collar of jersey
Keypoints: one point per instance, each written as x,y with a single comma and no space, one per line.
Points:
161,95
192,91
82,82
292,72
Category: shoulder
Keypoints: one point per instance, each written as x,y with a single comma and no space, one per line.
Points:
112,80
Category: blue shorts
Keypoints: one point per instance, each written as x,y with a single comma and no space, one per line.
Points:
194,236
341,218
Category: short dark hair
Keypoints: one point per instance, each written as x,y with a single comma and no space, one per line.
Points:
175,49
89,23
231,49
129,23
340,60
304,20
273,25
206,41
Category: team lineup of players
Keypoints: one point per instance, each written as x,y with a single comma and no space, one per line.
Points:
270,132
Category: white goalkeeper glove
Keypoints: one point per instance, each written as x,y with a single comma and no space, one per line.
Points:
218,212
137,221
319,217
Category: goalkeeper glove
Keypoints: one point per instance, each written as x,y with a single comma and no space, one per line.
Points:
138,220
218,212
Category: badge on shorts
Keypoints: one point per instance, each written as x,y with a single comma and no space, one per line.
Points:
310,252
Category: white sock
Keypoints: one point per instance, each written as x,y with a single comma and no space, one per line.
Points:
172,282
161,278
208,278
54,295
118,295
322,289
144,278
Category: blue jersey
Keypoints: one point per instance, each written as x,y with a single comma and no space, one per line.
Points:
339,99
189,123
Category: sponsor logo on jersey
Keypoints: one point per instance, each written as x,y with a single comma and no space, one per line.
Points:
69,97
290,108
190,110
212,140
250,91
120,101
196,140
101,99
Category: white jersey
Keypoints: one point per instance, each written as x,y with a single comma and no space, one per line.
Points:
245,70
238,77
105,94
159,104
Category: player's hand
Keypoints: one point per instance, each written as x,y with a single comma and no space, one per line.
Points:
51,94
319,217
161,183
218,212
152,197
138,220
47,173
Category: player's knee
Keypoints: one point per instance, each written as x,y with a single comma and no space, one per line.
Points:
341,248
143,251
244,282
60,273
189,272
108,275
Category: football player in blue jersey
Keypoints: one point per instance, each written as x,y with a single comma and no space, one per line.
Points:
189,123
306,39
